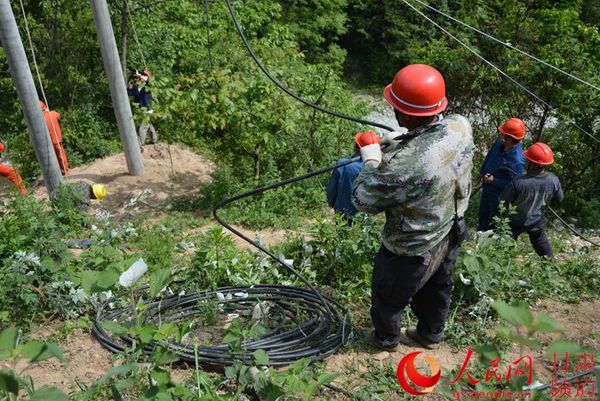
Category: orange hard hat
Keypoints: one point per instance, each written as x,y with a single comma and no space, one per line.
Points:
539,153
366,138
513,127
417,90
1,147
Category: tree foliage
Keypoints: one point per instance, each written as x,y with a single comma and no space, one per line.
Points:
210,95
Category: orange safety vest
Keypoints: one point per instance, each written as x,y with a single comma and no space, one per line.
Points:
52,118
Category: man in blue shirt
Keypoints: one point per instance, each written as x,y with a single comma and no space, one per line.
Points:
339,187
506,154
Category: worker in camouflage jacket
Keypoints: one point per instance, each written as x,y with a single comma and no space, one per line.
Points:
422,182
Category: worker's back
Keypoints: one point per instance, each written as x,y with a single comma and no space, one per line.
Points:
429,179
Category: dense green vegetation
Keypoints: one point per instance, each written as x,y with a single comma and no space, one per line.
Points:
209,95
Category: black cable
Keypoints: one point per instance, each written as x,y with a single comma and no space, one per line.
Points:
286,90
571,228
304,327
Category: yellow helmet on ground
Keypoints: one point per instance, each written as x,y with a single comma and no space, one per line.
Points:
99,191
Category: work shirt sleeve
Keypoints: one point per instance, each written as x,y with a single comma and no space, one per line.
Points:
508,194
558,193
502,179
377,189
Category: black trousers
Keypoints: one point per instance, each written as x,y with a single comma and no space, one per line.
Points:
424,282
537,236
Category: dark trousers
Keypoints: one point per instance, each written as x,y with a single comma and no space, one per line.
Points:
488,208
424,282
537,236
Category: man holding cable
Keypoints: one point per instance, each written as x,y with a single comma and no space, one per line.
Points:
422,182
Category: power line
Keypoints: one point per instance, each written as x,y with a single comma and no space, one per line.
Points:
504,74
507,44
37,70
137,41
285,89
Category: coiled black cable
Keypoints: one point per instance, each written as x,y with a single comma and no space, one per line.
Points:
302,323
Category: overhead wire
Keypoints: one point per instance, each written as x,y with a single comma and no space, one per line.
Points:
507,44
135,37
39,77
284,88
498,69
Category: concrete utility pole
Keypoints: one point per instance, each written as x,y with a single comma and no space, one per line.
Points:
118,91
21,75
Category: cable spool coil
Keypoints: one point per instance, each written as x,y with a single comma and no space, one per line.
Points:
304,326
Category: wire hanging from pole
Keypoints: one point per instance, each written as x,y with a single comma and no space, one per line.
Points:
37,70
507,44
285,89
39,77
504,74
135,37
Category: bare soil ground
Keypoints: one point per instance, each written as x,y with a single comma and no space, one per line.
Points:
169,171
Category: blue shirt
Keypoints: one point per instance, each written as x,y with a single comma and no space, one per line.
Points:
496,158
339,188
140,96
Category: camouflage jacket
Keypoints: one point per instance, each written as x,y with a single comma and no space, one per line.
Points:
419,184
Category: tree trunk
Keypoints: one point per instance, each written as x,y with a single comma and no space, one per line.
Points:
537,135
124,16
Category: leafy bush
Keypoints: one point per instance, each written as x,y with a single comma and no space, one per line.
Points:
338,255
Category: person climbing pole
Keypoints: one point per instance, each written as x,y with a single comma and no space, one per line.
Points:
530,194
55,132
506,152
422,182
7,171
339,187
138,88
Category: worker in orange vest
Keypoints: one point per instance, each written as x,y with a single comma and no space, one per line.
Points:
52,118
12,175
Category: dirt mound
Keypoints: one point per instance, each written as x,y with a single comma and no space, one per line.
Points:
169,171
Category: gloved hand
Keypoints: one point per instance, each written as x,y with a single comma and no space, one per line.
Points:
388,137
371,154
370,151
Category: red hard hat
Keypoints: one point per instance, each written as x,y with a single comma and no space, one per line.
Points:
539,153
513,127
366,138
417,90
1,147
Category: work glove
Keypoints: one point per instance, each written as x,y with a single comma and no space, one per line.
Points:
371,154
389,137
370,150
